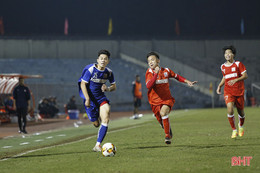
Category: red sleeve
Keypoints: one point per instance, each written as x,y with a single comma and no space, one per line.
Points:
176,76
222,70
242,68
180,78
150,81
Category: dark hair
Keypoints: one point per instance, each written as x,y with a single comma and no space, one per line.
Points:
153,53
103,51
232,48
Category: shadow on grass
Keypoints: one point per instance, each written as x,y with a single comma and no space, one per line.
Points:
46,155
148,147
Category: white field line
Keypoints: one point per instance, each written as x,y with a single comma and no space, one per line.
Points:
39,140
90,137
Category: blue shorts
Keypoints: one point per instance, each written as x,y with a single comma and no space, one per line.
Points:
93,110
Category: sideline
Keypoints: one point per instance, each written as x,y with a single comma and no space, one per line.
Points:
90,137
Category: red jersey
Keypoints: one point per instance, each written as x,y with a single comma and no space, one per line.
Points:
160,93
230,72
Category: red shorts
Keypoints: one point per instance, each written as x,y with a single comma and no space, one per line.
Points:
238,100
104,102
157,108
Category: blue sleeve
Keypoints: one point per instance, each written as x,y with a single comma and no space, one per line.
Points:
86,76
111,77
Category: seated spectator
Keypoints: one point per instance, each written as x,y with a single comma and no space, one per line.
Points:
53,107
44,108
72,103
9,105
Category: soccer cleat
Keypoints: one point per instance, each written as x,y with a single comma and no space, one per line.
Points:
240,131
234,134
168,139
97,148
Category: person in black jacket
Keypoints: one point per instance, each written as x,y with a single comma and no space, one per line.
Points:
22,98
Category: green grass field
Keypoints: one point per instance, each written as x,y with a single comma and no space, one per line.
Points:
201,143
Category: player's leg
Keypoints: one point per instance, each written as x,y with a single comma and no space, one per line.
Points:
165,110
241,114
104,112
230,100
231,118
92,113
156,111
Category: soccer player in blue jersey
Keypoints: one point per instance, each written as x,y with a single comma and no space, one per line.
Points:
91,88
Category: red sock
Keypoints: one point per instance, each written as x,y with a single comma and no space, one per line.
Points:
231,120
166,125
241,120
159,119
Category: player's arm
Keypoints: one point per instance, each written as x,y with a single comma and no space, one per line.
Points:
182,79
222,82
150,83
190,83
243,77
85,92
112,87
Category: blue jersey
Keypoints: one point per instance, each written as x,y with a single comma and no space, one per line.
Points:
95,79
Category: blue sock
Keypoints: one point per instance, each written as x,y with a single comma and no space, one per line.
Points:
102,132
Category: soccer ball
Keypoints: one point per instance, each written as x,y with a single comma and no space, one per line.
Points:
108,150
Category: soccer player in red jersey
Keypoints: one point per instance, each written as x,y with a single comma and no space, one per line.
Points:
159,95
234,74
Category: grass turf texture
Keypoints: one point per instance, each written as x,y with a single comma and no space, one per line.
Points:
201,143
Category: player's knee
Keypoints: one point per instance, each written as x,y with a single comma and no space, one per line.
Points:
230,110
105,121
163,113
